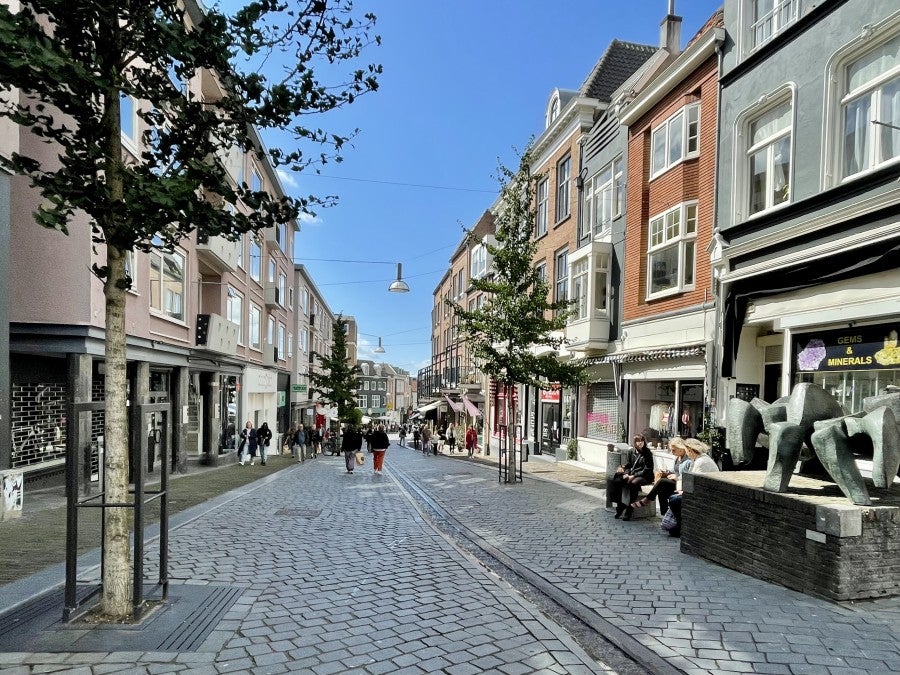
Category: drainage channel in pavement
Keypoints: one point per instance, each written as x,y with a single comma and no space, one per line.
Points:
604,641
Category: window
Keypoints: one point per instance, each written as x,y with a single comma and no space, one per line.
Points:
768,18
270,330
304,340
543,207
580,288
460,284
255,180
304,301
563,172
553,113
167,284
478,262
234,311
290,349
255,260
240,252
362,401
672,252
870,108
282,288
366,385
541,270
128,119
281,236
282,332
769,158
376,400
255,323
272,270
603,198
562,276
131,270
676,139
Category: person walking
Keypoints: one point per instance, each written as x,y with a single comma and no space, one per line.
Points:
471,440
380,444
426,439
451,439
248,443
264,438
402,435
351,443
416,434
298,449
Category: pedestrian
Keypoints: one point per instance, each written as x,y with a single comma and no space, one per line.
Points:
698,452
287,441
351,443
298,450
317,440
451,439
416,437
402,435
426,439
248,443
263,438
668,482
367,436
380,444
627,482
441,440
471,440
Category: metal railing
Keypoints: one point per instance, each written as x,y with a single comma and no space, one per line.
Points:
503,459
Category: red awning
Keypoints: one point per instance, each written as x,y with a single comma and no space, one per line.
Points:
457,407
471,408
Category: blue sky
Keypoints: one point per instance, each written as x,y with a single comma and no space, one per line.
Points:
465,84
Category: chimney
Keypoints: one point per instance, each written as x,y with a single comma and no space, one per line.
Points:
670,31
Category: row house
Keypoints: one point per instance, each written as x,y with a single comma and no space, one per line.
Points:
668,308
210,324
573,245
314,329
372,388
398,395
806,257
452,384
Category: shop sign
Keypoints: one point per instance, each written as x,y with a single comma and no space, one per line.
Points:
869,348
298,388
550,395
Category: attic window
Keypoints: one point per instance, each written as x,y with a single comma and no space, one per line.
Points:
553,113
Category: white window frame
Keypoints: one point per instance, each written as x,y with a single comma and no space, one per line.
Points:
768,147
304,301
362,401
603,198
760,30
561,275
131,140
870,90
255,260
589,275
542,218
282,288
270,329
241,244
256,181
665,223
685,124
168,303
131,270
478,261
580,272
563,188
254,336
234,310
282,336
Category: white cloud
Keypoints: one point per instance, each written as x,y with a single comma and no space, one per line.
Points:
309,219
287,178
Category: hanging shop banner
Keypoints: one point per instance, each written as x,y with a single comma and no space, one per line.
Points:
550,395
867,348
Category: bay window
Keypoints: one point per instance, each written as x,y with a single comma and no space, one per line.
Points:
676,139
603,198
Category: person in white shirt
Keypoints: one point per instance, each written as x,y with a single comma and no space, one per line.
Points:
698,453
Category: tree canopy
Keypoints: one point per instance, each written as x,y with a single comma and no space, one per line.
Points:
338,380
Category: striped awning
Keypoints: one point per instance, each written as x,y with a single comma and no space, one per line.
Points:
647,355
471,408
457,407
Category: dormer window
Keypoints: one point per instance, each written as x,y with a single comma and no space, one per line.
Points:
553,111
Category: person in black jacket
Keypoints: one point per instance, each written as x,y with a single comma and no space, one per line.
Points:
627,482
351,443
264,437
380,444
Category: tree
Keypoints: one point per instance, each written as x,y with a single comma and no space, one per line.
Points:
64,75
337,380
517,316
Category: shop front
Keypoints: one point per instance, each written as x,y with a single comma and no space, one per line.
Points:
260,396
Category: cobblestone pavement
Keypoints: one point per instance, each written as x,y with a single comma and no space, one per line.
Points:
340,573
700,617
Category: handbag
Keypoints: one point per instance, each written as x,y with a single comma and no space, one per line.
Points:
669,522
360,458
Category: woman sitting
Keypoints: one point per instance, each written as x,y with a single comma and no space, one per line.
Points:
698,453
627,482
668,483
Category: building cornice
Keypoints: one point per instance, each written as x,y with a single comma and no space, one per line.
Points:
684,65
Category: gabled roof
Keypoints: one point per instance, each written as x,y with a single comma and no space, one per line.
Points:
618,63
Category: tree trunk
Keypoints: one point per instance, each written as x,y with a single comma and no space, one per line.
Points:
116,600
511,475
117,576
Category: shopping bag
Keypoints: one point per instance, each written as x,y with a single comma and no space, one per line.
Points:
360,458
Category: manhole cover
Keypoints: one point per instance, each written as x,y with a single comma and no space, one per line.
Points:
299,513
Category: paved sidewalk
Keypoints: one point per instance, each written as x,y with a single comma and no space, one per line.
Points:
701,617
338,573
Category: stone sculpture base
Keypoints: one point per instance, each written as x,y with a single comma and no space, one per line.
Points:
810,540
